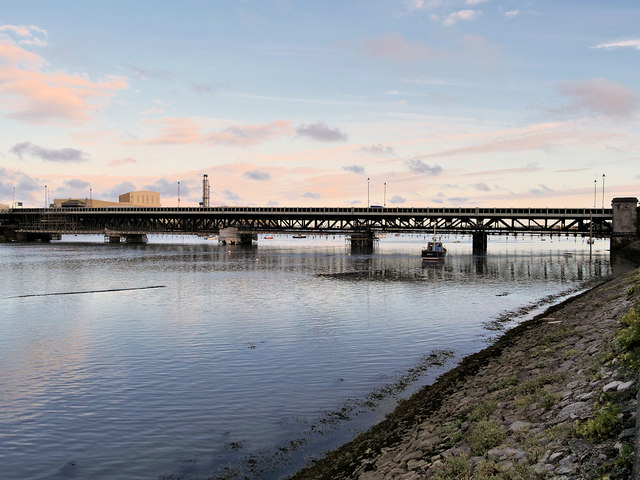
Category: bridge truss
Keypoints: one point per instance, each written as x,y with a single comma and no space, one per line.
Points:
211,220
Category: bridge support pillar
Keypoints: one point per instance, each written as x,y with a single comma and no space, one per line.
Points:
7,234
479,243
137,238
363,240
626,223
29,237
232,236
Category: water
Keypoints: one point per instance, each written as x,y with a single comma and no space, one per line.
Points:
241,357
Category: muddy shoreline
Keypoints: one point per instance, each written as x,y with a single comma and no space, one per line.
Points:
415,440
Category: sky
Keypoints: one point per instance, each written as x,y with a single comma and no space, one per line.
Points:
406,103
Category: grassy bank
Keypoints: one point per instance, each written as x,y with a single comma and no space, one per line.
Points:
553,397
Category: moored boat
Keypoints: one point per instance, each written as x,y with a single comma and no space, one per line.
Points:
434,251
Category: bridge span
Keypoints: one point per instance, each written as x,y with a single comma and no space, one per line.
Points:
362,224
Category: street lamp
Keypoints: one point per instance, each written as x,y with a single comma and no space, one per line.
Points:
603,191
91,197
595,183
385,195
45,196
178,194
368,181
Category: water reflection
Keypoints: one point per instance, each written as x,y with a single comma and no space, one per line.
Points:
244,348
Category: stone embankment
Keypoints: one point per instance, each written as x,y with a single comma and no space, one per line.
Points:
554,398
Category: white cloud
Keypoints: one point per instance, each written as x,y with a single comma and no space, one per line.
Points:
461,15
24,34
631,43
511,13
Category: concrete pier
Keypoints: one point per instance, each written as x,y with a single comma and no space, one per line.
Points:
363,240
233,236
626,223
137,238
479,243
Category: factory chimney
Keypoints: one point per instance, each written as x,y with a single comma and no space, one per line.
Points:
205,191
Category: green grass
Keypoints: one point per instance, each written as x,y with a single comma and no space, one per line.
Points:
485,436
628,338
482,411
605,423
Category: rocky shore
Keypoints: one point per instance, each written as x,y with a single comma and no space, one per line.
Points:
555,397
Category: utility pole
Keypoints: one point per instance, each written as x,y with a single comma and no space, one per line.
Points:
385,195
178,194
603,191
595,184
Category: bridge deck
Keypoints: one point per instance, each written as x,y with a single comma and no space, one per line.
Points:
198,220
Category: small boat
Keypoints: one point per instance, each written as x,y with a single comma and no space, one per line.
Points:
268,238
434,251
299,236
211,237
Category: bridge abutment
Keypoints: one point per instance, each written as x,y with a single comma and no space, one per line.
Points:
626,222
479,242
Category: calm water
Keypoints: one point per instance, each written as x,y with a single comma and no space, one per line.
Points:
240,351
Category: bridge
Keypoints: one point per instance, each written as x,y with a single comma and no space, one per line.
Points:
244,224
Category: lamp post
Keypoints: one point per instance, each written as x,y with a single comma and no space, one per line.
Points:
45,196
385,195
178,194
595,183
91,197
603,191
368,182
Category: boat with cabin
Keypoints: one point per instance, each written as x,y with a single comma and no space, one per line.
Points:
434,250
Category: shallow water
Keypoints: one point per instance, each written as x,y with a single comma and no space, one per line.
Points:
269,354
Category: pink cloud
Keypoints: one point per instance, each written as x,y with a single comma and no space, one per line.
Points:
185,131
395,48
31,94
176,131
600,96
536,137
243,135
122,161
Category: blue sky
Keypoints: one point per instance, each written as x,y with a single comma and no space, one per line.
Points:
300,103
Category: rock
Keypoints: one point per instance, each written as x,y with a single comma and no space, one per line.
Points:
627,433
585,396
555,456
519,425
507,453
611,386
414,465
575,410
624,385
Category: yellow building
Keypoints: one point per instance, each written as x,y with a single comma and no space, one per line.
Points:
143,198
4,207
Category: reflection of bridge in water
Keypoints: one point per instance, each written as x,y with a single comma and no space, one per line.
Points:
244,224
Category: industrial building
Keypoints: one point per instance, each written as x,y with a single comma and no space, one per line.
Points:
142,198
